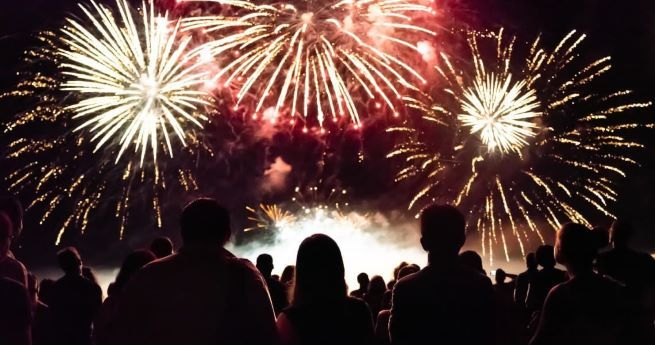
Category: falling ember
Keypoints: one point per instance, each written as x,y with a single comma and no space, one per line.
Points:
314,59
530,145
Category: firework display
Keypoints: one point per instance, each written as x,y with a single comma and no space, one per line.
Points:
320,60
114,82
519,143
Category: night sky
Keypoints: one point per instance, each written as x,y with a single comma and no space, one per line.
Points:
622,29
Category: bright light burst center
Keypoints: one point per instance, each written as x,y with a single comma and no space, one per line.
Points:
502,112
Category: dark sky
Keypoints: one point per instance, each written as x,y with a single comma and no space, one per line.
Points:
623,29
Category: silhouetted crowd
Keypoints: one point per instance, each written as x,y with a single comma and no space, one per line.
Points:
203,294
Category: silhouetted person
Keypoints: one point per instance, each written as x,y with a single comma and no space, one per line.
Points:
46,287
161,247
472,260
87,272
446,302
41,319
9,266
587,309
375,294
363,281
321,312
601,236
508,315
634,269
11,207
288,275
15,313
382,323
75,301
105,322
275,288
202,294
525,278
545,279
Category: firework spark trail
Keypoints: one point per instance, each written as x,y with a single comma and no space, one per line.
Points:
87,77
319,59
530,144
134,83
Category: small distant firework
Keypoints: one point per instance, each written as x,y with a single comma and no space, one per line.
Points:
268,217
134,82
519,144
318,59
91,90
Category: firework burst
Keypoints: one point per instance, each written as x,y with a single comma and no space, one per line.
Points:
135,83
100,85
519,143
318,59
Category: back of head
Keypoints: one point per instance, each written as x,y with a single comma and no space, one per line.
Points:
376,286
14,210
398,268
69,260
6,231
132,263
620,233
531,261
575,247
546,256
204,221
363,280
407,270
442,229
265,264
319,272
161,247
288,274
472,260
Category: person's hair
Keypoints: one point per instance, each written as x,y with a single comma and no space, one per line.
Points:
69,260
443,229
545,256
472,260
161,247
265,264
575,247
10,205
288,274
601,236
621,232
376,286
319,272
531,261
407,270
398,268
363,280
132,263
205,221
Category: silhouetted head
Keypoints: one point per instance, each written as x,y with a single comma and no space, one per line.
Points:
501,276
204,221
442,230
531,261
472,260
70,261
319,272
575,247
363,280
161,247
398,268
407,270
6,231
265,264
287,274
14,210
545,256
132,263
620,233
376,287
601,236
46,290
